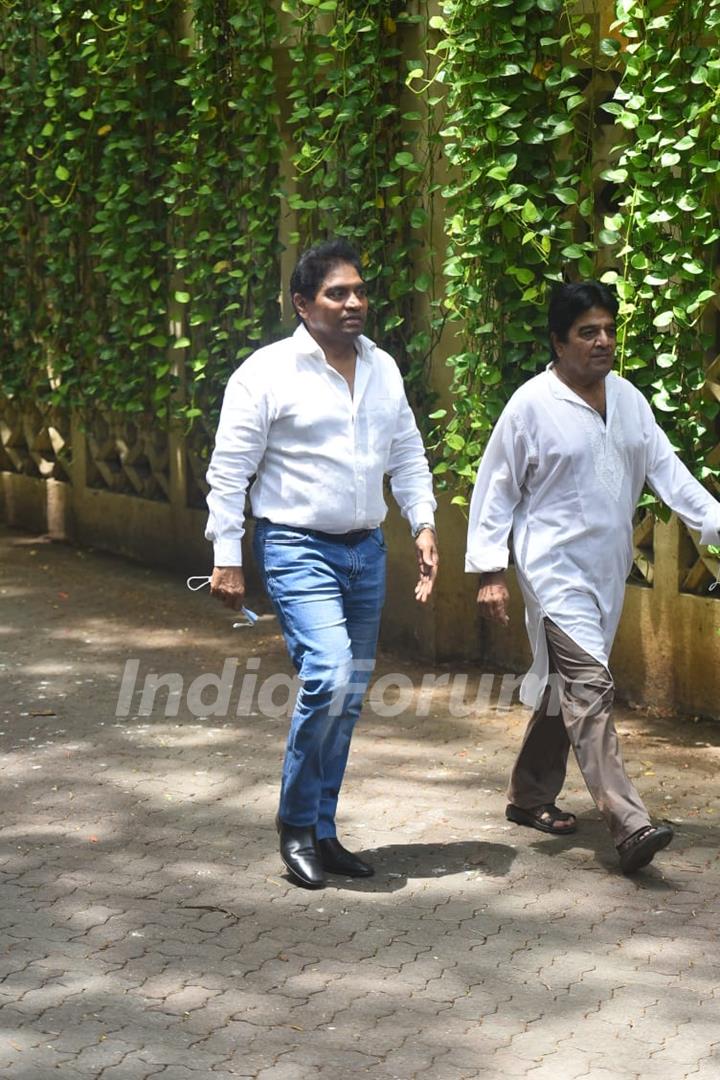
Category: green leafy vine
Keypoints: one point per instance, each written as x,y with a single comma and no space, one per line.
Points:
139,212
363,157
545,185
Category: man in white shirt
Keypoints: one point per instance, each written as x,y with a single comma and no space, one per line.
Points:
320,419
563,471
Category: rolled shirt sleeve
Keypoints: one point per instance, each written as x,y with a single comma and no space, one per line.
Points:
240,443
409,472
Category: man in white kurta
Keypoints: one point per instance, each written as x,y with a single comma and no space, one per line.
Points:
563,472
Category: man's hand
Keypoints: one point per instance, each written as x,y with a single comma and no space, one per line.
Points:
228,584
427,559
493,597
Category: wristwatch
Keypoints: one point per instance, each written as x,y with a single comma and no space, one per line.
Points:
419,528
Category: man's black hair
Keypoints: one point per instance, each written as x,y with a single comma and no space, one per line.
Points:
568,301
315,264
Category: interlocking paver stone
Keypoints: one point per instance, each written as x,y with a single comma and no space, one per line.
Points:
149,930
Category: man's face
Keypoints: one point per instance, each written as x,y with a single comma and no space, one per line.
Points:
589,352
338,312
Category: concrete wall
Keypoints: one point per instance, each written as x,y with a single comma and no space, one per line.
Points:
668,648
667,652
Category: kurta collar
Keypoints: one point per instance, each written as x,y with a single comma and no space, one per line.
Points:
561,390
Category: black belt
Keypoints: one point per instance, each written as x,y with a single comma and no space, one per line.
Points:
353,537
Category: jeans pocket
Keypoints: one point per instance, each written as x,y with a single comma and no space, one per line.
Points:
378,537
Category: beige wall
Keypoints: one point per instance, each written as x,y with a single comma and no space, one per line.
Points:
667,652
668,648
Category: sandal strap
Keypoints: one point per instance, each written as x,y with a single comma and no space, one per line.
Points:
636,837
554,812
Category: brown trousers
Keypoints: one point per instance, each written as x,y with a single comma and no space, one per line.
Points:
576,710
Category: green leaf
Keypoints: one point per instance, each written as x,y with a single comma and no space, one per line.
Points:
653,279
566,195
662,402
522,274
609,47
663,319
608,236
615,176
182,297
564,127
455,442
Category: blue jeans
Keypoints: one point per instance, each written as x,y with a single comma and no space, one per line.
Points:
328,596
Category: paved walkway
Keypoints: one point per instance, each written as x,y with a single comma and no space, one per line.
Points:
147,927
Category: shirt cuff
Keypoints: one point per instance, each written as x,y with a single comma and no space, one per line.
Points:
227,553
421,514
488,561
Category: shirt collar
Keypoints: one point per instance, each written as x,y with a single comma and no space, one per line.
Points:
306,344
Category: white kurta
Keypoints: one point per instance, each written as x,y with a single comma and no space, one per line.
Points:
566,483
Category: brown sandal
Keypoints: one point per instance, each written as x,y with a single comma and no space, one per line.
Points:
544,818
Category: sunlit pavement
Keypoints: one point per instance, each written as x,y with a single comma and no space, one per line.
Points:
148,927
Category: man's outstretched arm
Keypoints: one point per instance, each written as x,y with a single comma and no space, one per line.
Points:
677,487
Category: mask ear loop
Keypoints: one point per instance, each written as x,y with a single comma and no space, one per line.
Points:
198,577
251,617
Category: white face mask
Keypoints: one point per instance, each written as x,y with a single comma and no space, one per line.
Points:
250,616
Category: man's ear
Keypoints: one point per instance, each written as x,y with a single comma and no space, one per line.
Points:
300,304
555,341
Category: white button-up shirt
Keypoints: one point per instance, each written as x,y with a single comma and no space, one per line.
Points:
567,483
318,453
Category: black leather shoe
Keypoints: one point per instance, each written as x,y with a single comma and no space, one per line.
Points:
338,860
642,847
299,852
